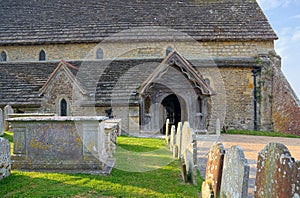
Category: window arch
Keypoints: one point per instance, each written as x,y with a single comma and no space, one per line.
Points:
63,107
3,56
207,81
42,55
168,51
99,54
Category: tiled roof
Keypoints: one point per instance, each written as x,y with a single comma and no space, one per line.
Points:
20,82
107,81
63,21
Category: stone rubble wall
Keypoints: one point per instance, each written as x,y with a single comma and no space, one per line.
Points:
285,104
5,161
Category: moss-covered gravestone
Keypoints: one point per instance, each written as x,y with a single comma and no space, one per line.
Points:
278,175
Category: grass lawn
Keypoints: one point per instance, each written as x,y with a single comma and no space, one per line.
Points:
261,133
163,182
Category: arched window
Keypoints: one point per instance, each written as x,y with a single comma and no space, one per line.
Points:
3,56
99,54
168,51
63,107
207,81
42,55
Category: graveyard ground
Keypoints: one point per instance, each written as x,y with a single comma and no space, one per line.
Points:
164,182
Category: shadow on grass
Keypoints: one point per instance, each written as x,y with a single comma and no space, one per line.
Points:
165,182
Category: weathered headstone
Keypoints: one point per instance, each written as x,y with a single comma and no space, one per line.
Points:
278,175
172,138
1,123
235,174
183,169
218,127
7,110
195,176
187,137
167,131
179,138
295,179
214,169
207,190
5,161
175,151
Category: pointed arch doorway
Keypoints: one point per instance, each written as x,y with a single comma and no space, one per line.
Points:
172,111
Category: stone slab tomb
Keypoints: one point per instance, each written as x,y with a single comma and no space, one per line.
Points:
212,184
5,161
278,175
62,144
235,174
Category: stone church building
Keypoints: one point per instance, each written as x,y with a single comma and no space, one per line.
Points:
202,61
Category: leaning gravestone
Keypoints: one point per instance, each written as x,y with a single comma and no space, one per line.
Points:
1,123
235,174
5,162
7,110
214,169
277,173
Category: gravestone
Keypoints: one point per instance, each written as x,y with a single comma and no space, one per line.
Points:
172,138
183,169
7,110
195,176
207,190
175,151
187,137
277,174
179,138
1,123
235,174
5,161
167,131
218,127
295,179
214,169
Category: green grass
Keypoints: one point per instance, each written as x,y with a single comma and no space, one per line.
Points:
261,133
163,182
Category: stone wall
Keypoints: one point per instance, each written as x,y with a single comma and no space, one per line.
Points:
236,100
285,103
136,50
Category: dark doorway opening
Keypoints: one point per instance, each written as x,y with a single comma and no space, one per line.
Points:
172,111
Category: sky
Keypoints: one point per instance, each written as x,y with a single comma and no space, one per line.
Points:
284,17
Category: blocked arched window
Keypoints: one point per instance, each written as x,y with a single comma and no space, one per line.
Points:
42,55
168,51
99,54
3,56
147,104
63,108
